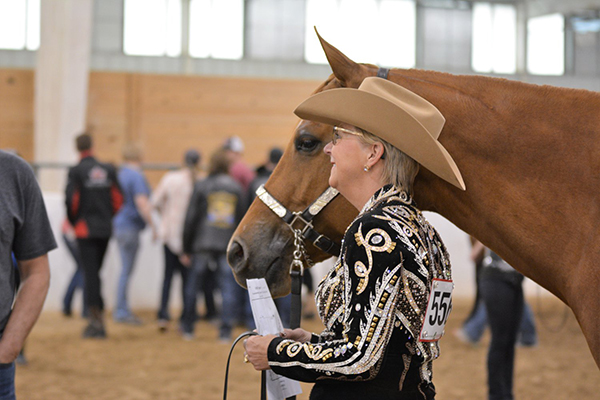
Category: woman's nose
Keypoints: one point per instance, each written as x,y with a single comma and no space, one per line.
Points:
327,148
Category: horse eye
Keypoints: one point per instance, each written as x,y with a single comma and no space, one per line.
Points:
307,143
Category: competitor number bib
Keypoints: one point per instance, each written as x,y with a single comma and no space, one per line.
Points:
438,309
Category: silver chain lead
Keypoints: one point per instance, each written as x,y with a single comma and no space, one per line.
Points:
299,252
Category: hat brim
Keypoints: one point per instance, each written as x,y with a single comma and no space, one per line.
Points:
385,120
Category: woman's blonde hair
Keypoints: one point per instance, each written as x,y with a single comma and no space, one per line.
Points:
132,152
398,168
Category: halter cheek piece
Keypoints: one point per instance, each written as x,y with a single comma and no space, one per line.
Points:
383,73
302,220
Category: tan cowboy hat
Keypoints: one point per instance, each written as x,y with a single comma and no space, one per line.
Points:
393,113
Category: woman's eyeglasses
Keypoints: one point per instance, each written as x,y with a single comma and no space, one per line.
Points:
335,136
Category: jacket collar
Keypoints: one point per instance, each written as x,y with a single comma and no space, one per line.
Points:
385,194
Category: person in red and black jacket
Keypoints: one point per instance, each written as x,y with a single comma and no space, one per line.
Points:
93,197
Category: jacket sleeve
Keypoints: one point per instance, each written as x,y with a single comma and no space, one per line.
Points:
116,194
240,208
371,263
157,199
72,197
193,217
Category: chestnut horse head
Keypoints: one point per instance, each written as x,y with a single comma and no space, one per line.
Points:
529,156
263,244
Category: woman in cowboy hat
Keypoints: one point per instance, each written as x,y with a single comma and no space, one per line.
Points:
385,302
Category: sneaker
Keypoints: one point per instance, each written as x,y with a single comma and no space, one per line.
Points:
187,336
21,360
163,325
93,331
462,336
531,345
224,339
225,335
129,320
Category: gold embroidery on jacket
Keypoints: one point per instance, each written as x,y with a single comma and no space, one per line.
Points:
358,331
372,243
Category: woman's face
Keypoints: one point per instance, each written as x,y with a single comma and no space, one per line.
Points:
348,157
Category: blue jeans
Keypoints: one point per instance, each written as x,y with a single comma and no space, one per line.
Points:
128,242
475,326
77,281
203,276
7,381
236,303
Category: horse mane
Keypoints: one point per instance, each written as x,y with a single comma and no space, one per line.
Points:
484,89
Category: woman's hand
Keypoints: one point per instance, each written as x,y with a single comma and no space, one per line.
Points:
256,351
298,334
186,260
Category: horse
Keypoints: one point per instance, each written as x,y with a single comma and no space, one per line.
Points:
530,159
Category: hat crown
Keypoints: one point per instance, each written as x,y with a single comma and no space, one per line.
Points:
395,114
420,109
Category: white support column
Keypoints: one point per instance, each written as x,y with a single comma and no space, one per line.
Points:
61,84
522,18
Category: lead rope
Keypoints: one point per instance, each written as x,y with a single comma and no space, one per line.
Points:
263,391
296,272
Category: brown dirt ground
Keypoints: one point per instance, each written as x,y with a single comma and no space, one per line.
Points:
139,363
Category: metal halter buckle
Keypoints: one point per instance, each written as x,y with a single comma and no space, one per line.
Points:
298,217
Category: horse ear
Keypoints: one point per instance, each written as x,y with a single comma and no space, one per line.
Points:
345,70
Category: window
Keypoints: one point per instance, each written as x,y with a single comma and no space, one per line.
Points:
585,25
373,31
546,45
494,38
217,29
20,24
152,28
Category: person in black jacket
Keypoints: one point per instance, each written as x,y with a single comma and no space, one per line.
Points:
93,197
214,211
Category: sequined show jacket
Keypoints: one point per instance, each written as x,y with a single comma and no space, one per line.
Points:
372,303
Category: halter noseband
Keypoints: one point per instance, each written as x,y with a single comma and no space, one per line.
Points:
304,218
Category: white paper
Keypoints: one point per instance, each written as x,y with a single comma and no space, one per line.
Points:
268,322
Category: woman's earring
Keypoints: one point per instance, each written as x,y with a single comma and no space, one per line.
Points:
366,168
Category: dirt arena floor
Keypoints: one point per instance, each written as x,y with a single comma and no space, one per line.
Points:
139,363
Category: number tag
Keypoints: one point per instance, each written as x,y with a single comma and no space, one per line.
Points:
438,309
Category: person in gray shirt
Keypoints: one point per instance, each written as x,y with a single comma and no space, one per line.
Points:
25,233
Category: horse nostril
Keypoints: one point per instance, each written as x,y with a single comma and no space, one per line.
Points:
236,256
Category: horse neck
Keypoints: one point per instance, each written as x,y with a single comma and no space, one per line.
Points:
506,143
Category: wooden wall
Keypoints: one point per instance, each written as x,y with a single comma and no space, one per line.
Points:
167,114
16,111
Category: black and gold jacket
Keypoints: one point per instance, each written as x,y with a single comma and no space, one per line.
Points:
372,303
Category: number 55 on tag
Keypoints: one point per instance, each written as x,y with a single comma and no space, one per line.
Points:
438,309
